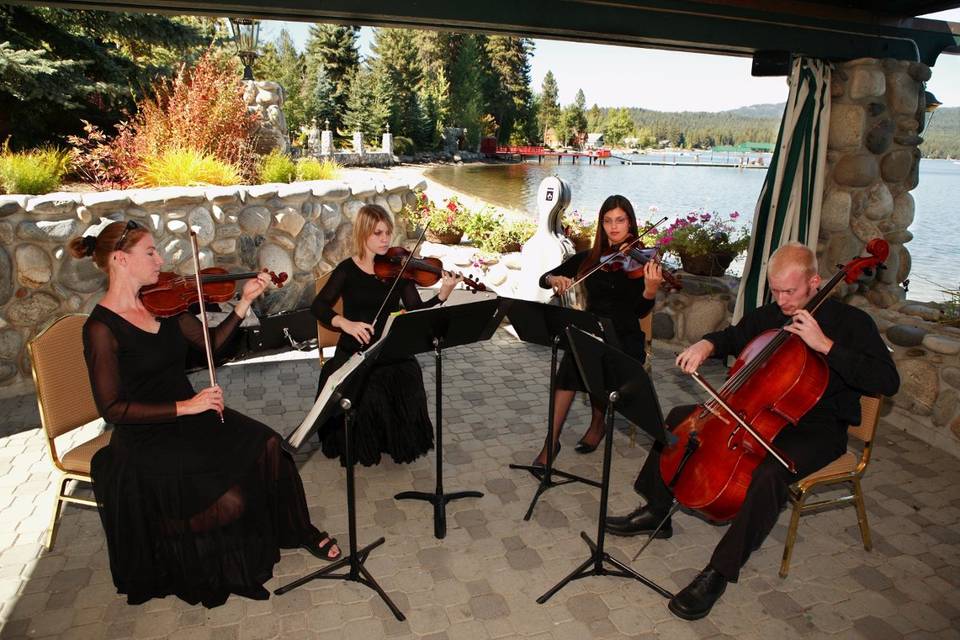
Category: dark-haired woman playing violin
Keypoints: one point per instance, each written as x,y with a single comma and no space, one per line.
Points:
191,505
610,294
391,416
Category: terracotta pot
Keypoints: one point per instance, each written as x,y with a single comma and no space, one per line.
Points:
450,237
712,264
582,244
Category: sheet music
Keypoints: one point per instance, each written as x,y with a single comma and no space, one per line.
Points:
336,379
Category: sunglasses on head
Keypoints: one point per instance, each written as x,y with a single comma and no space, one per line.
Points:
131,224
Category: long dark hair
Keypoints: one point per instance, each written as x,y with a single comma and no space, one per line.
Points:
600,242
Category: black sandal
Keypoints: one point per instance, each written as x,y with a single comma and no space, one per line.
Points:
323,550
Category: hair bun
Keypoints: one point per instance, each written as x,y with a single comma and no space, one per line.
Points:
89,245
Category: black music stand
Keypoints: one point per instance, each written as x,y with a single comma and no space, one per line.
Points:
618,381
436,329
544,324
339,401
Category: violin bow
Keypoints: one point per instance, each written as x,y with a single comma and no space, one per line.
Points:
203,310
423,233
604,261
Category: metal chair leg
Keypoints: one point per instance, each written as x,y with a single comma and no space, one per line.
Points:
792,534
55,518
862,515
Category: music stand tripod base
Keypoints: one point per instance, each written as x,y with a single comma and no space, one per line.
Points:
355,559
595,565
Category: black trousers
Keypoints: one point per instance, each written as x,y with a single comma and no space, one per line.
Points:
812,443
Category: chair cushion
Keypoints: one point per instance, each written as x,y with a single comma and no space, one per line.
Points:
77,460
844,465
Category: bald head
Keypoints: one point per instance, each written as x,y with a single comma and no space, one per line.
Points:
793,255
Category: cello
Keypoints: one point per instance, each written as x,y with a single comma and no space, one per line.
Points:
774,381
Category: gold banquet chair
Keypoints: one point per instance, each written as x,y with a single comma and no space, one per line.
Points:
327,337
66,403
848,468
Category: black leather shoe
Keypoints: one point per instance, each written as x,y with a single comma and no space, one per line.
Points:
585,447
640,521
698,598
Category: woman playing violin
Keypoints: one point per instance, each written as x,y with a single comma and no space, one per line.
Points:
392,413
192,506
611,294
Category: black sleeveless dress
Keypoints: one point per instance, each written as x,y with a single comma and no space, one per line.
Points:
391,411
610,295
191,506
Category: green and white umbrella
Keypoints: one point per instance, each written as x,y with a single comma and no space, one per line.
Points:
792,194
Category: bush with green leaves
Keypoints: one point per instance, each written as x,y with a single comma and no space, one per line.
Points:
507,236
32,172
277,166
403,146
314,169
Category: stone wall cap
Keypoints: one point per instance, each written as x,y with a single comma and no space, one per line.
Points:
223,195
105,199
55,200
168,195
942,344
12,203
295,189
268,190
330,189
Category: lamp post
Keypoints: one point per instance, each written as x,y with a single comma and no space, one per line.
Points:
246,32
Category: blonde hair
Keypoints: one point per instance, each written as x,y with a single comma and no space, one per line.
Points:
368,217
793,254
101,246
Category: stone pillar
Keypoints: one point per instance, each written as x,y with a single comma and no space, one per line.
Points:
872,165
266,100
358,142
386,143
326,140
313,138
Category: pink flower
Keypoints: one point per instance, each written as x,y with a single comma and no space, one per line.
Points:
705,217
452,205
449,219
734,215
666,240
691,218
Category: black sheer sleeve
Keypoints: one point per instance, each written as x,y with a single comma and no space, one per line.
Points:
100,351
322,307
411,297
192,329
568,268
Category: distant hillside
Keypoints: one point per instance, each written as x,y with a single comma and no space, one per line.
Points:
760,123
941,139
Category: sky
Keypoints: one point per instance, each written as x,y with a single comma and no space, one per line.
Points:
659,80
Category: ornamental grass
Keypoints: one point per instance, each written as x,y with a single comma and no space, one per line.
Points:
32,172
185,167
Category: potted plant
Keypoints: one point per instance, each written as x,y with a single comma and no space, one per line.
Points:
446,223
706,243
580,230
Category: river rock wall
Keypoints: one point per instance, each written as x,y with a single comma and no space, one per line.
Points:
303,229
877,114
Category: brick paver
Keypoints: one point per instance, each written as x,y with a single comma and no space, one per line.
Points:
482,580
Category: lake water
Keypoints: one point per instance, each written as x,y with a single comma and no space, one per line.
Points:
678,189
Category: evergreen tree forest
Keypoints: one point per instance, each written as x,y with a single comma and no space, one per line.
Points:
60,67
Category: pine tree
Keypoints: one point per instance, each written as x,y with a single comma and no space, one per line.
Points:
280,62
318,99
58,67
467,105
334,49
367,108
435,96
594,119
398,68
549,114
509,92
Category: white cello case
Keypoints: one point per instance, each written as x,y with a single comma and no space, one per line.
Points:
548,247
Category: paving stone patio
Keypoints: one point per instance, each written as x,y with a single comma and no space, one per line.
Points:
483,579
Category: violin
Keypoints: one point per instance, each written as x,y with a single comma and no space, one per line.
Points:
173,293
632,261
774,382
424,271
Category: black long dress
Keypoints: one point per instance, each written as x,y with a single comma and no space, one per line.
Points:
191,506
611,295
391,415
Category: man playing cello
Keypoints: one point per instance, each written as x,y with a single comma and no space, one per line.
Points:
859,363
